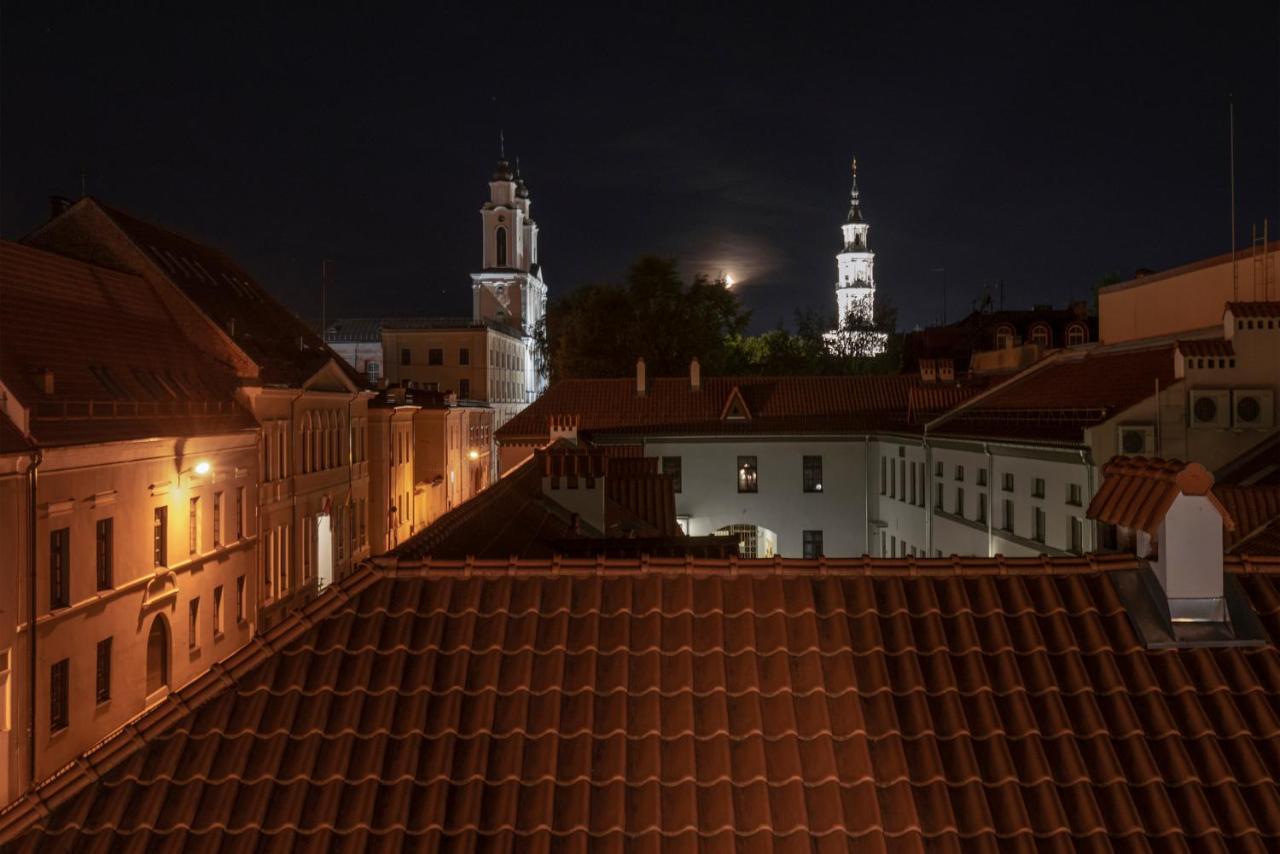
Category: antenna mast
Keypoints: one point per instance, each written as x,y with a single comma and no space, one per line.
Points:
324,299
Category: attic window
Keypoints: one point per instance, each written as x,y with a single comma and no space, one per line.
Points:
735,408
113,388
1076,335
1040,335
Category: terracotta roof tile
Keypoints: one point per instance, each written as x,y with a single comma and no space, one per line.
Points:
1064,395
130,373
1213,347
1254,309
829,705
1137,492
1256,511
773,404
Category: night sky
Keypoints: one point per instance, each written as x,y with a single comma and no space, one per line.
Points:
1039,145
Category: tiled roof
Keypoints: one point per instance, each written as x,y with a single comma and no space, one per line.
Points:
119,368
884,705
808,404
1063,395
1212,347
648,498
1260,465
1254,508
1255,309
931,399
1137,492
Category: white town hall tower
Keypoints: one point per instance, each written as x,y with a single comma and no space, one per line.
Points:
509,289
855,285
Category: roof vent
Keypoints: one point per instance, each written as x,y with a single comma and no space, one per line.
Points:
641,385
1169,510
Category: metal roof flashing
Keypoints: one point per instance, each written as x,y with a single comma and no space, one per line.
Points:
1226,622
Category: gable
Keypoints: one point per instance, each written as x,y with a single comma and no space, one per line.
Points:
735,408
330,377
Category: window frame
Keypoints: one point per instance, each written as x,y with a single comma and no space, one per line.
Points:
811,473
676,471
160,535
435,357
104,545
747,474
102,689
59,568
811,544
59,696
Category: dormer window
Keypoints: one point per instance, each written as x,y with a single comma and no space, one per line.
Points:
1077,335
1004,336
1040,335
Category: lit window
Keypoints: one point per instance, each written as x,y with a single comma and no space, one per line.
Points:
105,537
1004,337
748,477
160,537
193,526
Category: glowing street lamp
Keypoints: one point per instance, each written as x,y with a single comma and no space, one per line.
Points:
203,467
473,454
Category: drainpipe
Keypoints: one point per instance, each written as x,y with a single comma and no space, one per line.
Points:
1087,461
866,497
32,482
928,493
991,498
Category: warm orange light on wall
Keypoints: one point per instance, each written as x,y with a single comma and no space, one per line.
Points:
473,454
203,467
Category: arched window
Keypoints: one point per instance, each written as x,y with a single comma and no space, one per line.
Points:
1077,334
158,655
1004,336
500,246
1040,335
306,442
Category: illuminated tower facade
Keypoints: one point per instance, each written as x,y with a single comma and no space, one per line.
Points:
856,284
509,288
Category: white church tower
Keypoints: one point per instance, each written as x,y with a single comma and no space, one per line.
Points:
509,287
855,285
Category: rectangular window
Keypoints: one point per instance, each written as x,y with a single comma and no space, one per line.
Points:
1074,494
59,568
672,466
435,356
812,467
1008,515
464,356
893,546
893,480
405,358
960,501
193,623
1008,481
217,519
105,537
940,497
1077,534
982,477
160,537
193,526
812,544
1037,533
982,507
240,599
884,475
1037,488
748,476
217,611
902,480
464,388
959,472
937,469
59,686
240,513
104,671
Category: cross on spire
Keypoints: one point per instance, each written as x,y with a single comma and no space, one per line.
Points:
855,208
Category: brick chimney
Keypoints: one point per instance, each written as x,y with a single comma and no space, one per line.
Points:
641,383
695,374
564,427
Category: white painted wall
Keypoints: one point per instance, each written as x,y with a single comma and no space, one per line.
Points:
711,499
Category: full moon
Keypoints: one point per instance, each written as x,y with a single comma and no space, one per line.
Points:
728,280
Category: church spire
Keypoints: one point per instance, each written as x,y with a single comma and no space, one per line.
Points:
855,208
502,171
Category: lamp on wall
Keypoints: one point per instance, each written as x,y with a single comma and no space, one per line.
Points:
473,454
203,467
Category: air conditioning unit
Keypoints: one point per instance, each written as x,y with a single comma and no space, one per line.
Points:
1210,409
1253,408
1137,440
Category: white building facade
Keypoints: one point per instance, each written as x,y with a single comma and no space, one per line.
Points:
509,288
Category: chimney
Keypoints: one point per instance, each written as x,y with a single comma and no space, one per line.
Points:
695,374
563,427
58,206
47,378
574,479
641,385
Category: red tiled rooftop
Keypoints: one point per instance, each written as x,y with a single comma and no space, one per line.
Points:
1211,347
885,705
1254,509
1066,393
776,404
1137,492
1254,309
120,369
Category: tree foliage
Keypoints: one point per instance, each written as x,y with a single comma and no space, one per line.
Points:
599,330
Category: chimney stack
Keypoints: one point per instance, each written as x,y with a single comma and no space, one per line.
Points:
695,374
58,205
641,385
48,380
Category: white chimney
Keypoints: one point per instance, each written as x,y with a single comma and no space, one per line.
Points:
695,374
1189,553
574,480
641,386
564,427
